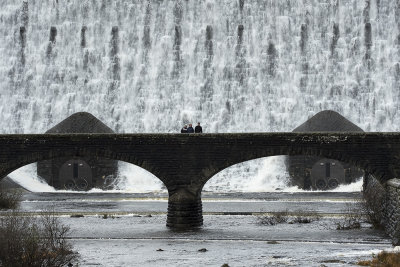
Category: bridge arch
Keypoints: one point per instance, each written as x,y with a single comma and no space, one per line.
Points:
30,158
245,157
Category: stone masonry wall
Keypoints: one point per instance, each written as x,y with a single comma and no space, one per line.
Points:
392,210
384,202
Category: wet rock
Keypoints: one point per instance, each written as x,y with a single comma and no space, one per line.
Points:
278,257
107,216
333,261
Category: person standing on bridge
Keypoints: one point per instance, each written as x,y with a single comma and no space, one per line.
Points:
190,129
184,129
198,128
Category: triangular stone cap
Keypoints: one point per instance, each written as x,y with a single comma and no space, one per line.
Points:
328,121
81,122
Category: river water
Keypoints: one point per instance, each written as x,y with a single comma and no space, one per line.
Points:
128,229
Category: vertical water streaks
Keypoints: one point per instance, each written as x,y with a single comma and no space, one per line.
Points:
52,76
146,47
25,14
160,21
163,32
52,43
335,72
241,64
397,80
241,7
85,60
209,44
104,10
397,15
177,51
335,38
397,44
142,81
83,36
146,40
378,7
19,84
178,13
368,50
269,68
115,69
336,8
85,8
397,21
57,10
366,11
22,41
272,59
304,56
208,72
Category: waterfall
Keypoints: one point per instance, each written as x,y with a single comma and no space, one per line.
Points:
235,66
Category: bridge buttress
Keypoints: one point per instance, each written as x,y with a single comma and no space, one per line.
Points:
392,210
383,202
185,210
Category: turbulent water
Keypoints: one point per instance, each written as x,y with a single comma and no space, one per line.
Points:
235,66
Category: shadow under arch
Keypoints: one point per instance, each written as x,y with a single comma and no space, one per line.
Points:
99,153
130,177
284,152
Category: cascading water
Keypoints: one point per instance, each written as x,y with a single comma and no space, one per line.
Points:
235,66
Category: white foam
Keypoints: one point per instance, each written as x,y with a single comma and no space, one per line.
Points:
135,179
132,179
28,179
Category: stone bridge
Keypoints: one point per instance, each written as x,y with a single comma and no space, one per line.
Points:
185,162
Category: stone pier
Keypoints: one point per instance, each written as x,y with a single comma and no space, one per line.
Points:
384,201
392,210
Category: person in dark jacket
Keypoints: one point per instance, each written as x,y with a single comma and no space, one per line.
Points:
190,129
184,129
198,128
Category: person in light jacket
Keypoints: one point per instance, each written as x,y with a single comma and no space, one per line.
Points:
184,129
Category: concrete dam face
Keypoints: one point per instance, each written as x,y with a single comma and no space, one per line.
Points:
235,66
